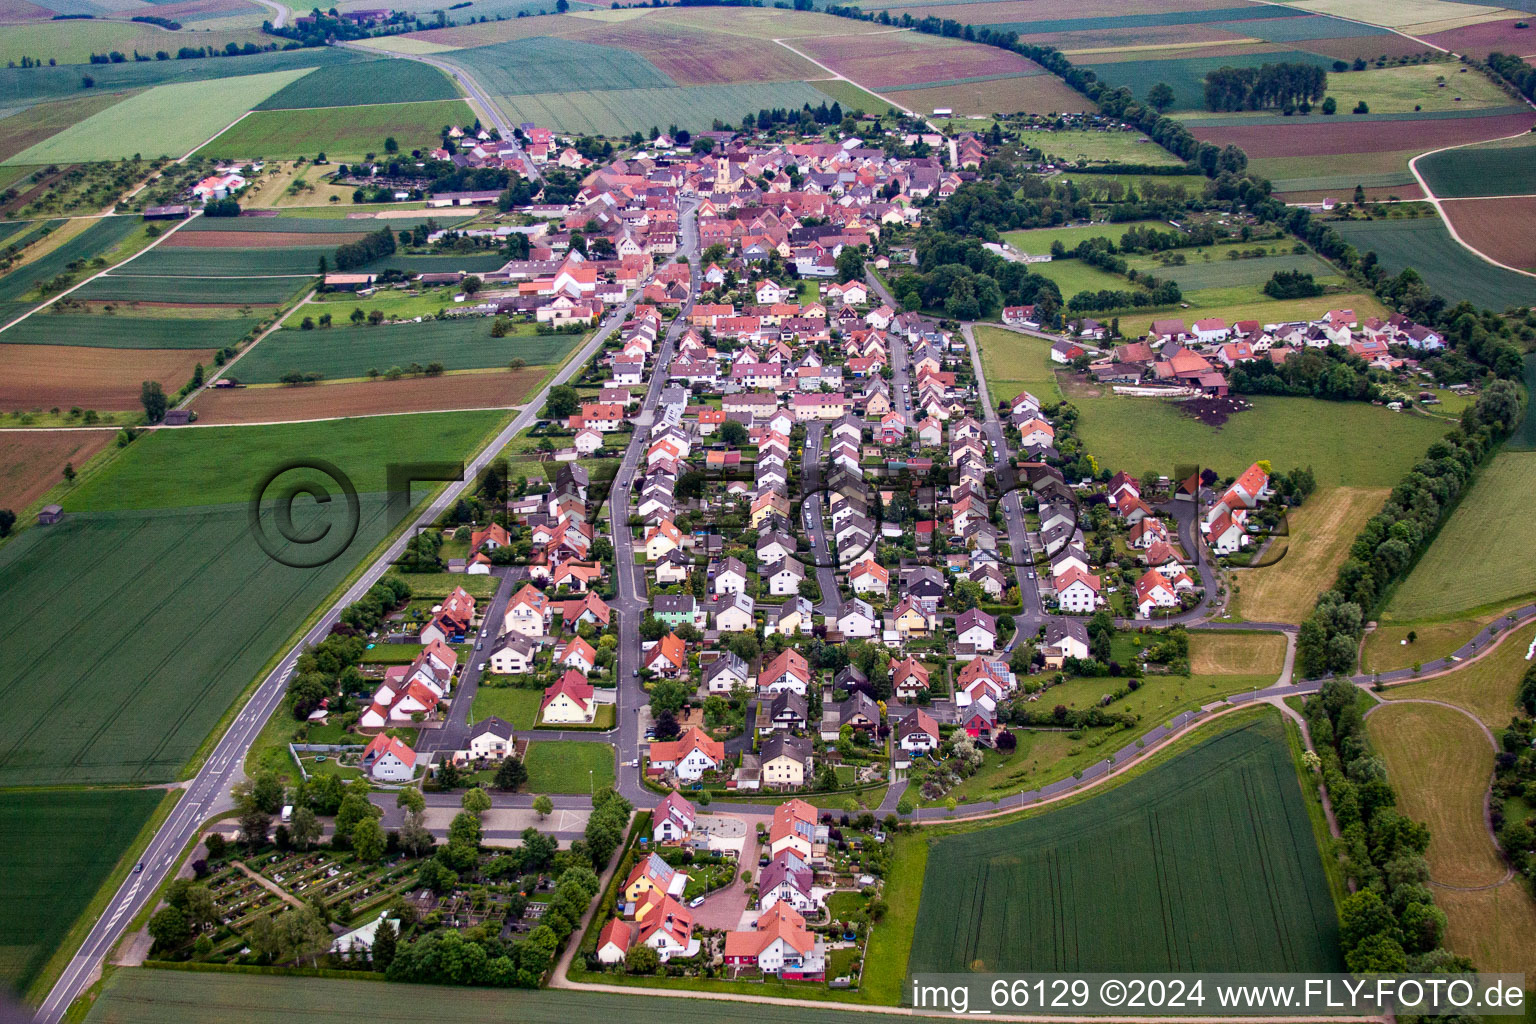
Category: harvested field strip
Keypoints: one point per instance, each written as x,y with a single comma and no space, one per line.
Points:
1320,533
693,56
104,379
168,120
960,81
1504,229
1228,654
1493,926
1503,168
341,352
106,331
1396,14
32,461
1343,136
1038,93
56,849
1229,877
1481,40
618,112
231,291
493,389
1446,266
362,82
1440,762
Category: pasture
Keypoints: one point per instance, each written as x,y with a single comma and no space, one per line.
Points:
361,83
340,133
42,376
57,848
1412,88
1485,687
568,766
471,390
1345,443
1440,762
349,352
1440,583
118,331
32,461
1321,532
1505,168
1227,876
1448,268
166,120
1086,147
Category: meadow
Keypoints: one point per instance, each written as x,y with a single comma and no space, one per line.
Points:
1016,362
361,83
1442,582
108,331
345,352
568,766
1345,443
1227,876
1320,533
166,120
1213,653
1039,240
340,133
1099,147
56,849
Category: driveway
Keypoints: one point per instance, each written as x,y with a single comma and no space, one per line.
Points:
725,908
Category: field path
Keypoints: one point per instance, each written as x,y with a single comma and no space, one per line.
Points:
1439,204
222,370
271,886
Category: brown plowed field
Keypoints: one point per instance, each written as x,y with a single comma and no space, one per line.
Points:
418,394
1481,40
1503,228
1051,10
259,239
1342,135
105,379
907,58
31,461
1369,47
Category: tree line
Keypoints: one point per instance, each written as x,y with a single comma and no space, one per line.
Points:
1514,71
372,246
1285,84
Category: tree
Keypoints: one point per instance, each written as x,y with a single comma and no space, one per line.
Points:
476,801
669,695
412,800
471,284
368,840
544,806
304,829
7,521
850,264
511,774
415,838
733,433
1160,96
354,808
382,952
69,472
642,959
170,929
390,145
253,827
564,402
152,395
1330,105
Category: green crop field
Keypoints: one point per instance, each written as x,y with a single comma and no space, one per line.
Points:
341,133
1443,582
546,64
1212,863
1186,75
1505,168
136,995
21,86
56,850
230,291
166,120
73,42
1100,147
255,261
1197,275
220,465
1450,270
107,331
325,221
340,352
1346,443
1073,276
569,766
345,85
620,111
93,241
1038,240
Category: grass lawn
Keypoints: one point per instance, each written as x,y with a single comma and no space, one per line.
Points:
1226,875
1100,147
1441,584
1016,362
397,304
569,766
57,847
441,584
1344,442
1038,240
515,705
1485,687
341,133
1321,532
890,943
1073,276
1219,654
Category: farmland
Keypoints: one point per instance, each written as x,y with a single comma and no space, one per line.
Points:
1485,687
496,389
1504,168
167,119
197,261
1186,76
27,128
56,849
73,42
340,134
343,352
910,60
43,376
1503,229
1346,443
1321,532
118,331
1039,240
33,461
614,112
1227,817
1319,136
1441,582
568,766
212,291
551,65
16,286
1099,147
1450,270
361,83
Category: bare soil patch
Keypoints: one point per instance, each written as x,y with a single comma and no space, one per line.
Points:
365,398
1503,228
32,461
1481,40
1213,412
105,379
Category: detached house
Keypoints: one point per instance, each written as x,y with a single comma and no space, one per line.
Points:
688,758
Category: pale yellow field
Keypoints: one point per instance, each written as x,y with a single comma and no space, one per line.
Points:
1492,926
1394,13
404,44
1321,532
1235,654
1486,687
